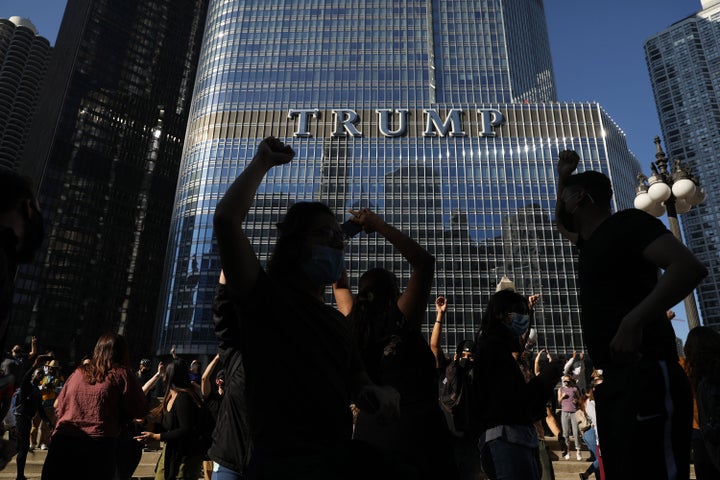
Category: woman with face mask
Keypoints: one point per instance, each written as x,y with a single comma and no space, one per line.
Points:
386,328
302,368
506,405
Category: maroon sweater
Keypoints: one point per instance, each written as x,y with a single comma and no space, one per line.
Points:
99,410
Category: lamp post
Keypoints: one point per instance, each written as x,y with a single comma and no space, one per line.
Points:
673,193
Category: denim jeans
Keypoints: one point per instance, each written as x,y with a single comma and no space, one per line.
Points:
591,439
510,461
224,473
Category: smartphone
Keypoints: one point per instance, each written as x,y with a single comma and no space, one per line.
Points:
350,229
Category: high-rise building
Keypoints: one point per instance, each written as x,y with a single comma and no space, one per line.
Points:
106,152
431,113
684,66
24,57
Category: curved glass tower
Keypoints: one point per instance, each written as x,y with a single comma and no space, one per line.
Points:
432,113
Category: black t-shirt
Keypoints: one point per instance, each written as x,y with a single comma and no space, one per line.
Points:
299,364
614,278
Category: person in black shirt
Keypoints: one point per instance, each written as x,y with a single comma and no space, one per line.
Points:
644,404
299,391
21,233
28,402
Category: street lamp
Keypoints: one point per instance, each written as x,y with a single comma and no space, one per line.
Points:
673,193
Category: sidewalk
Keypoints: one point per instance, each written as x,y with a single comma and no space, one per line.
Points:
564,469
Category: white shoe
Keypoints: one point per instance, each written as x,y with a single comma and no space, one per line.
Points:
567,456
43,446
578,456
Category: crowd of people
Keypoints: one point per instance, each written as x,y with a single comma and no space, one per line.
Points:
303,389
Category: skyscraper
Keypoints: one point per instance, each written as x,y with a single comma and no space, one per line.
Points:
24,58
106,152
431,113
684,66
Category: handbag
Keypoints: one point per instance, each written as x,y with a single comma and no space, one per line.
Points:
584,423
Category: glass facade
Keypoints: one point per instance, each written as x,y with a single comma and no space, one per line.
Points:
684,66
111,140
429,113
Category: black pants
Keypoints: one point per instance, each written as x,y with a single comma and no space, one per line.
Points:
644,416
23,425
80,458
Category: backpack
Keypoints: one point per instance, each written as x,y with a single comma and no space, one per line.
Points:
455,393
708,402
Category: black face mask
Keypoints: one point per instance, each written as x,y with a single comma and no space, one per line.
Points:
33,237
463,362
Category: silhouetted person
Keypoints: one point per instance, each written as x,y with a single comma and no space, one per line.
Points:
628,335
386,324
302,368
505,405
702,363
21,233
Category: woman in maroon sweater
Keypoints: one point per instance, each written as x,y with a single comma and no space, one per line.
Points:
95,401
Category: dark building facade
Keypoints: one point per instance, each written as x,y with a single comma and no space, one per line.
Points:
430,112
24,57
105,154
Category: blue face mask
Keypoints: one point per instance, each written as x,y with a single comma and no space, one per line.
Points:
325,265
519,323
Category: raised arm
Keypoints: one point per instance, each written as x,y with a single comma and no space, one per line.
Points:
413,301
205,387
567,163
537,361
343,295
682,272
239,262
152,381
440,308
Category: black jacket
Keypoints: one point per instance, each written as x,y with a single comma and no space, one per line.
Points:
231,445
501,395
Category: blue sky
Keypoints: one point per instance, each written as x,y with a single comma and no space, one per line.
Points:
597,49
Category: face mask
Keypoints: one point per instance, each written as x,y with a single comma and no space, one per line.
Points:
324,266
463,362
46,369
565,384
32,238
519,323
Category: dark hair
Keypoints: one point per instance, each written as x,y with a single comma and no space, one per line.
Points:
702,354
595,183
110,351
291,240
499,306
14,188
377,291
177,378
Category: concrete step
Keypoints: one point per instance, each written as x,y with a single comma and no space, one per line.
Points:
36,458
564,469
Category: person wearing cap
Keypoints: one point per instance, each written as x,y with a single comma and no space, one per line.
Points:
50,387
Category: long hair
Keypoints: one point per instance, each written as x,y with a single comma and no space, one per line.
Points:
702,354
292,241
110,351
377,292
177,378
499,306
